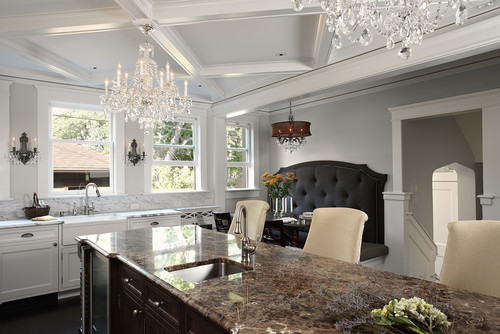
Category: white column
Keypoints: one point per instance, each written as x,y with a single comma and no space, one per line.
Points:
395,207
5,139
491,163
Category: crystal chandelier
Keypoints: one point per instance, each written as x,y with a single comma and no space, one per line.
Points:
141,100
397,20
291,135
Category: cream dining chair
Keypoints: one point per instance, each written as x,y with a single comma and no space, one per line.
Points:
256,218
472,256
336,233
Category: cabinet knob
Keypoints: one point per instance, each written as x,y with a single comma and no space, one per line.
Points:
55,244
157,304
127,280
154,223
136,313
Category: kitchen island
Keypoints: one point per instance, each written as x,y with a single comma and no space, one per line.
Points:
282,291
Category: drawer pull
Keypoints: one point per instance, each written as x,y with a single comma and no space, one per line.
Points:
157,304
136,313
27,235
154,223
127,280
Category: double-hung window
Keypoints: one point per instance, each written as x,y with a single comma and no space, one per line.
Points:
175,162
81,143
238,155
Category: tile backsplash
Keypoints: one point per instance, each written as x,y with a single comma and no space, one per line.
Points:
12,209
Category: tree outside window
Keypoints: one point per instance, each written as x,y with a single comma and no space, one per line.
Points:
174,156
81,148
238,161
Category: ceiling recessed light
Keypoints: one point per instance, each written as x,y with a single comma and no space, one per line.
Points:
280,54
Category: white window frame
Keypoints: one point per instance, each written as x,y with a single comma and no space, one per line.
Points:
47,94
110,143
249,165
196,156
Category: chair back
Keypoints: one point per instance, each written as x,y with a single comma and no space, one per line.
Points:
472,256
336,233
222,221
256,218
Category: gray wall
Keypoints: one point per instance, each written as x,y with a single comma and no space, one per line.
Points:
429,144
358,129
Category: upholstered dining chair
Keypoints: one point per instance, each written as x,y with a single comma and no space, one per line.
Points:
336,233
222,221
256,217
472,256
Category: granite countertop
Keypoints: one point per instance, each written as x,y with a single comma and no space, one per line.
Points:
286,290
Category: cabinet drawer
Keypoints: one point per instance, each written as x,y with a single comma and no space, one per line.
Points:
131,281
137,223
167,307
70,231
29,234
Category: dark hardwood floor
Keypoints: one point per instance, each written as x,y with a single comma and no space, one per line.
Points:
45,315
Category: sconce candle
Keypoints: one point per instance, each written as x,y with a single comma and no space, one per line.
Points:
133,156
23,155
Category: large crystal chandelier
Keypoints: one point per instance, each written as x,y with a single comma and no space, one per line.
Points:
291,135
397,20
141,100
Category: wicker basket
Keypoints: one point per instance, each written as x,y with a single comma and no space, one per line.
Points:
35,210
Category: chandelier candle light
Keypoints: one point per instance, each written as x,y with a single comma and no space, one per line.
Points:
397,20
291,134
141,100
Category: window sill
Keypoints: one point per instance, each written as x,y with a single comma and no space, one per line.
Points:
243,192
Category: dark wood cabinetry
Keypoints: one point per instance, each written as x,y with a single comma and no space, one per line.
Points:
146,308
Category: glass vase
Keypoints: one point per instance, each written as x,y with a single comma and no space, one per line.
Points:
278,207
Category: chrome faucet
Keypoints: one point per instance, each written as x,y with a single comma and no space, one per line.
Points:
247,248
88,209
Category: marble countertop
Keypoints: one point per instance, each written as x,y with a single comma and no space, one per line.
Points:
60,220
27,223
285,290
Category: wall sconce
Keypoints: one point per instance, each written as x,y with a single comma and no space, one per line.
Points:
23,155
133,157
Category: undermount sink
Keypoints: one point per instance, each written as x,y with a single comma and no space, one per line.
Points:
201,272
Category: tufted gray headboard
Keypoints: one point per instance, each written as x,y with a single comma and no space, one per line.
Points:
340,184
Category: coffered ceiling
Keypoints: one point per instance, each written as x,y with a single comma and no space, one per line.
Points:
230,51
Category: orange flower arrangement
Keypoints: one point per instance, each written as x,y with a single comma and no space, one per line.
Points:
277,184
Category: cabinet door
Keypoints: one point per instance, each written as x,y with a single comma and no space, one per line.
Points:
154,326
131,315
196,324
28,269
70,268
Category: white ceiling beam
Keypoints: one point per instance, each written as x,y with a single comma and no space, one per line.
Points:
276,67
64,23
175,46
322,43
466,41
197,11
137,9
46,59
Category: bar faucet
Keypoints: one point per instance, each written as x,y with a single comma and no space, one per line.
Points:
87,209
247,248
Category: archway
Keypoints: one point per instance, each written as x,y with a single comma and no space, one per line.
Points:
453,198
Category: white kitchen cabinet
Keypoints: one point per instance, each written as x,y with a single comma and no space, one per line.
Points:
70,263
70,268
156,221
29,263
